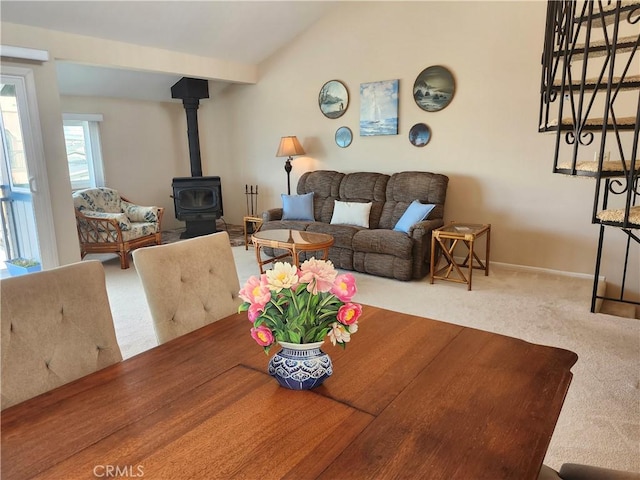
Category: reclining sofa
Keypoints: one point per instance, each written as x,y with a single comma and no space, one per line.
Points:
377,249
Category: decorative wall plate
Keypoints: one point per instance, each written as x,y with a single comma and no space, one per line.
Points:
420,134
333,99
344,136
434,88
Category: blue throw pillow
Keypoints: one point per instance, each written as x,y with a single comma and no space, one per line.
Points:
416,212
298,207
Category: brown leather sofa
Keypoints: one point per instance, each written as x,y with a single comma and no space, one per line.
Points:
378,249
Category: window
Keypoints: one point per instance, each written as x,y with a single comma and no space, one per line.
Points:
82,139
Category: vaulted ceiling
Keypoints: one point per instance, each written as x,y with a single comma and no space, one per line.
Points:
238,31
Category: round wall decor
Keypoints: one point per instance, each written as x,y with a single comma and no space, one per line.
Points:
333,99
419,135
344,136
434,88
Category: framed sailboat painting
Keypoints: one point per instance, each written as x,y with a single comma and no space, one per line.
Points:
379,108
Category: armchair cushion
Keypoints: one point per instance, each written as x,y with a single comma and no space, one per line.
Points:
98,200
139,229
121,218
137,213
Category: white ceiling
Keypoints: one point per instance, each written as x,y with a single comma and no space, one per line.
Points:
233,30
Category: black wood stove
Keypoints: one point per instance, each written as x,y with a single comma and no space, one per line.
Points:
197,199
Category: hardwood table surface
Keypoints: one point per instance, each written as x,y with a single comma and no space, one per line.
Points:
410,397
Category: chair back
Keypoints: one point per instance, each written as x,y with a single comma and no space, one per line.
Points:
56,327
188,284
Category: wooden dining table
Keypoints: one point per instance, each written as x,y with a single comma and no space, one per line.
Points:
410,397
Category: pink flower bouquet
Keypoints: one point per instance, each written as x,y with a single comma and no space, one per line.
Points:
301,305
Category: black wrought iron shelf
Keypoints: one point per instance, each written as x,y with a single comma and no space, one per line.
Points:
608,169
591,125
597,49
622,218
607,16
629,82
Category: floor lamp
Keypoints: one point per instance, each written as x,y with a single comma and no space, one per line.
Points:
289,146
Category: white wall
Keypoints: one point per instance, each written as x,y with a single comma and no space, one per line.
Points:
486,140
144,145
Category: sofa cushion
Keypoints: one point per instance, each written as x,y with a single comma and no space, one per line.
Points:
342,234
298,207
285,224
415,213
389,242
366,187
351,213
405,187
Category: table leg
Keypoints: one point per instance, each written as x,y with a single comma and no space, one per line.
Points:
433,249
470,245
486,260
258,257
246,241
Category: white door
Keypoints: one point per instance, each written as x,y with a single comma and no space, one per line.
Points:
27,220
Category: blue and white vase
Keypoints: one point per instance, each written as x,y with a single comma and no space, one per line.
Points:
300,366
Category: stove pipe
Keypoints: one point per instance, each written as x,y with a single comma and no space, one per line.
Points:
191,90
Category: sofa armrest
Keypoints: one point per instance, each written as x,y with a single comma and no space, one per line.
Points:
272,214
425,227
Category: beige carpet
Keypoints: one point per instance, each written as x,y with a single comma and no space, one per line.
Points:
600,420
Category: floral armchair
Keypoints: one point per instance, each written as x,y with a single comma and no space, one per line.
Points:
109,223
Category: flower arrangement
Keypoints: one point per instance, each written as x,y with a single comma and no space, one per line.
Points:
301,305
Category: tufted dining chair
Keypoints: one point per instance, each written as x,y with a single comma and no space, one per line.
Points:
56,327
188,284
575,471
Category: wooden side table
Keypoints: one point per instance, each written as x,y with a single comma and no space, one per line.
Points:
447,238
255,222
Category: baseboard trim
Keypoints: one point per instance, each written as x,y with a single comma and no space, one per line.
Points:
564,273
526,268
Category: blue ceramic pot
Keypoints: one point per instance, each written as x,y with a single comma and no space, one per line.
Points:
300,366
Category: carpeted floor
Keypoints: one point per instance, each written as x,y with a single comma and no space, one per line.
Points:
600,419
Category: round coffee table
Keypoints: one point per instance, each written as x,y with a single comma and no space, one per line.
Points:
293,241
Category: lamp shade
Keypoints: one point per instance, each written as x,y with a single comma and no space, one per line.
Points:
289,146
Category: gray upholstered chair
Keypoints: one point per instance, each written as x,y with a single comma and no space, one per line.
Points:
56,327
573,471
188,284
